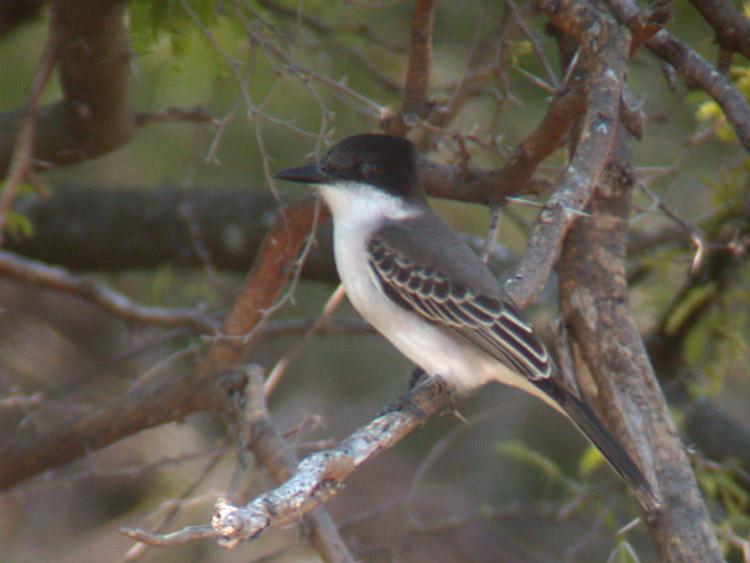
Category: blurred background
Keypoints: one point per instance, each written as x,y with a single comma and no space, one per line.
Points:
508,479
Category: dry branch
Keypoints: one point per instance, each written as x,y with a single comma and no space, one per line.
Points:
694,67
606,47
99,294
513,178
730,25
166,399
610,352
320,475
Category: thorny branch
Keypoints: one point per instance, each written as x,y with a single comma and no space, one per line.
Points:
694,67
606,47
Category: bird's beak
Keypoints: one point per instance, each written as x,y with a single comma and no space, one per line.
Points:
310,174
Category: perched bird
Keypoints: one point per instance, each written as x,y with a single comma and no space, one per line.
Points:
420,286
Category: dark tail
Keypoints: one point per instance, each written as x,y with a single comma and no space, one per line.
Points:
593,428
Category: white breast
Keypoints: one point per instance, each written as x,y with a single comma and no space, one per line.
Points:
357,211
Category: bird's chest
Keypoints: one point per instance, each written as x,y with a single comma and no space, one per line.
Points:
352,263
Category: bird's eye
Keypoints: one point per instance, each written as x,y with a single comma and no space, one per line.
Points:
368,168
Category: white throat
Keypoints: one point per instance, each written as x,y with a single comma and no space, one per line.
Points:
355,202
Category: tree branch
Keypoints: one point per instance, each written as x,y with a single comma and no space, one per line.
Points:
271,449
420,60
730,25
695,68
20,160
165,399
700,72
59,279
320,475
606,47
618,376
513,178
94,116
195,114
85,228
16,12
415,104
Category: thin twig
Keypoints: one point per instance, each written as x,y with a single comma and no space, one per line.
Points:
21,161
196,114
99,294
198,477
536,45
281,366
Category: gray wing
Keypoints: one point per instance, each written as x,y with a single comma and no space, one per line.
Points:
490,322
454,291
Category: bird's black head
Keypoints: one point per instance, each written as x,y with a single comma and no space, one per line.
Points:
384,161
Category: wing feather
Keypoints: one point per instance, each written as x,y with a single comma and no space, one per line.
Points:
493,325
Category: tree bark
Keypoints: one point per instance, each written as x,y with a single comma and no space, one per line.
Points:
617,374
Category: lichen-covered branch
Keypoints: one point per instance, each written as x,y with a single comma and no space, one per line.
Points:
320,475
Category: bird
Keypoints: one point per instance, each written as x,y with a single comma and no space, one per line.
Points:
419,285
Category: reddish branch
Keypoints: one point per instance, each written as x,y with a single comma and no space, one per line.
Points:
415,102
160,400
420,60
208,388
491,187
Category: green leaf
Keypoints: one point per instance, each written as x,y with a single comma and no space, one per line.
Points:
522,453
18,225
590,460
